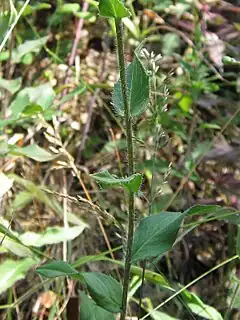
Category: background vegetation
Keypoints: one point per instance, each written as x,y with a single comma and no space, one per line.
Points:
58,126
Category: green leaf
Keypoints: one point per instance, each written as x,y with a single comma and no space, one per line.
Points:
171,41
33,152
230,60
30,9
90,16
37,97
113,9
19,104
155,235
13,11
4,24
21,200
68,8
5,230
3,148
51,235
185,103
238,241
15,247
201,209
198,307
10,240
90,311
78,91
107,180
33,95
110,146
12,271
27,59
30,46
233,297
57,269
104,290
11,86
32,110
227,214
210,126
138,89
30,101
151,276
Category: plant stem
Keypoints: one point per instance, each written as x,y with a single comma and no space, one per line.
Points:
8,33
129,136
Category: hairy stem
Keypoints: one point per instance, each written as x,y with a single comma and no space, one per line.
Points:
129,136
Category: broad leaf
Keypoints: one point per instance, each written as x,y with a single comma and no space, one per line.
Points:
42,95
90,311
138,89
57,269
104,290
51,235
12,271
205,311
113,9
30,101
32,96
11,86
155,235
151,276
18,105
198,307
202,209
30,46
107,180
33,152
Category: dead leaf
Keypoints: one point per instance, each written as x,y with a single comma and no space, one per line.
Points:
48,299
